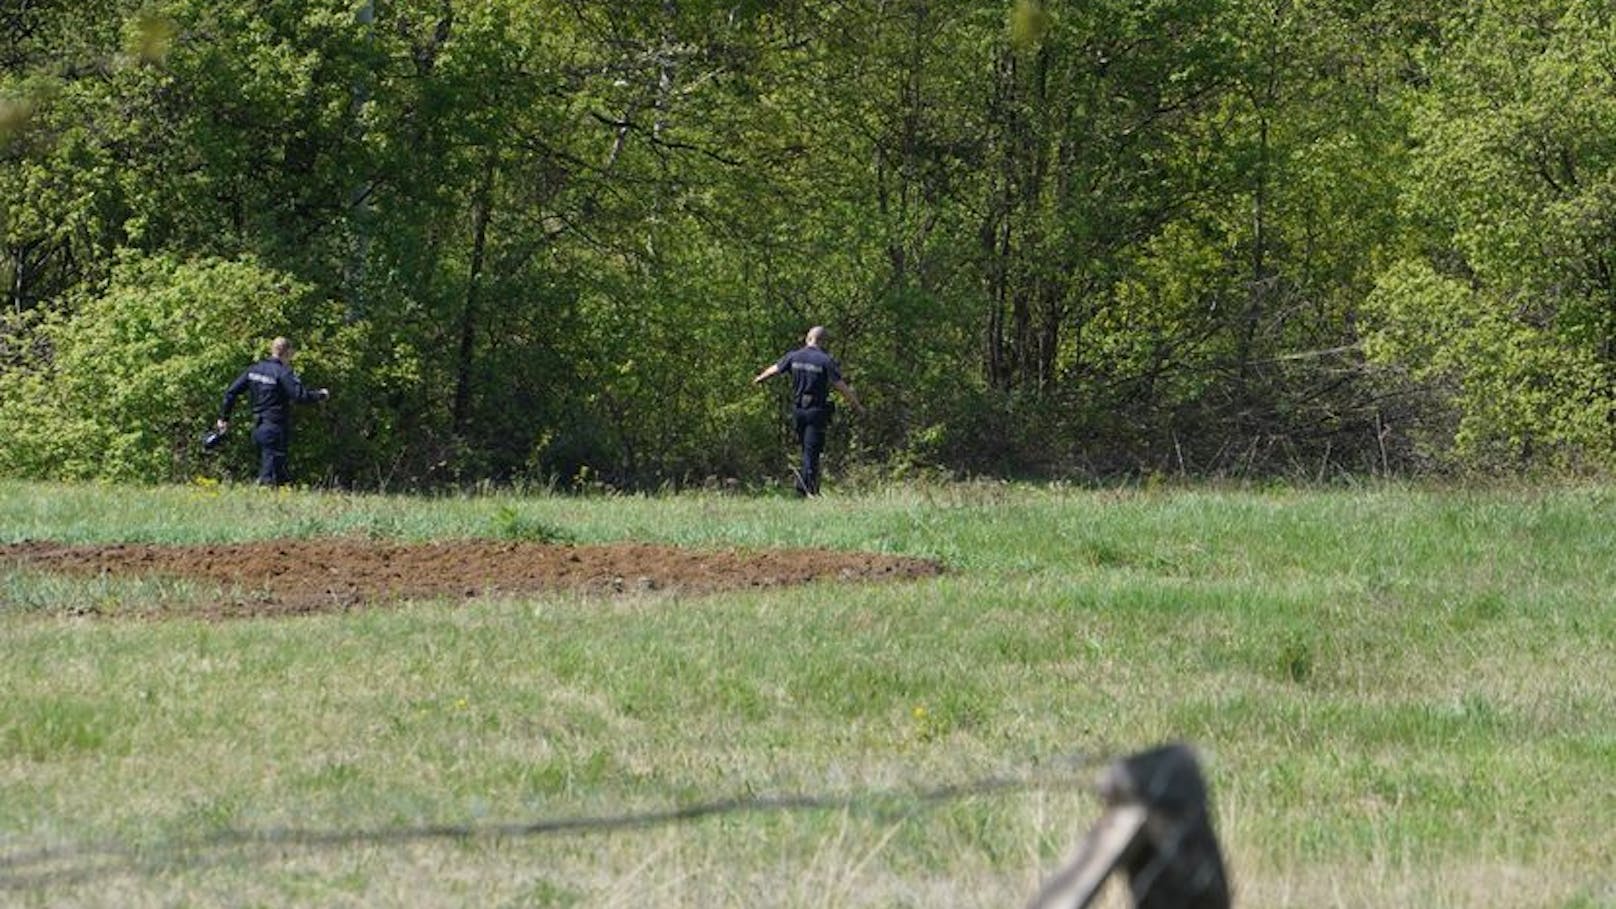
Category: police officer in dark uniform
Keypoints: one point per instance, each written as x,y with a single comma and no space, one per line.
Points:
813,374
273,388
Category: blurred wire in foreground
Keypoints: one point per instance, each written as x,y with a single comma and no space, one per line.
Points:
76,863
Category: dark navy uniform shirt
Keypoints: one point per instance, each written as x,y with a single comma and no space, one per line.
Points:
813,372
272,387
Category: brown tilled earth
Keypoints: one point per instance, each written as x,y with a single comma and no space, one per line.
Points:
304,576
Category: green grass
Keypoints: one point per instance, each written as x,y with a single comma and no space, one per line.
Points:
1404,697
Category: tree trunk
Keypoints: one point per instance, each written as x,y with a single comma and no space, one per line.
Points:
482,207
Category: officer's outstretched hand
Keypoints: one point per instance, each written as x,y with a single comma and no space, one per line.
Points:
322,393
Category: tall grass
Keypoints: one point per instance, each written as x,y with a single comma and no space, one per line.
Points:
1404,696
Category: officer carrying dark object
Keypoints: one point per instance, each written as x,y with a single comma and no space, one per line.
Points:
813,374
273,389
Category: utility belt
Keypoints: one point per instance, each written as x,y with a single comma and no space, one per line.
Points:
815,402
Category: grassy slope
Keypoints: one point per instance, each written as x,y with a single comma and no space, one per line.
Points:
1405,697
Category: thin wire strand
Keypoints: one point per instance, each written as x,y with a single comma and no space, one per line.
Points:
27,870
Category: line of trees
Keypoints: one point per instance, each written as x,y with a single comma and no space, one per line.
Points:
536,239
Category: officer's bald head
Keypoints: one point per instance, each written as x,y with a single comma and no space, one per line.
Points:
816,335
280,348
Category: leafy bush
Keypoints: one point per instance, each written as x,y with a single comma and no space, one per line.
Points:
1524,393
131,377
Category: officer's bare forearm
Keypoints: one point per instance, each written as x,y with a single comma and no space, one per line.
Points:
851,396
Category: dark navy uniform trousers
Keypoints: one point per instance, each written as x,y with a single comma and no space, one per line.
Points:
273,441
811,424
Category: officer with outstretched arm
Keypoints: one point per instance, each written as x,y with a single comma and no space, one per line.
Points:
273,388
813,374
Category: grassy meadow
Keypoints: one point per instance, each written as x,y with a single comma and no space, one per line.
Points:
1402,696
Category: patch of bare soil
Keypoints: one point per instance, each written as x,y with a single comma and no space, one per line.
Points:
305,576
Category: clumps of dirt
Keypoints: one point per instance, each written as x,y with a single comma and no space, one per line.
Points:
307,576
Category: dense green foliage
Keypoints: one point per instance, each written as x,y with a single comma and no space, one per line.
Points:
552,238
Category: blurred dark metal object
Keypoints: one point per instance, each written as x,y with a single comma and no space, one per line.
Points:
1157,827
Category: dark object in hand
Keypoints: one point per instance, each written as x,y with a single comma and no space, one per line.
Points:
213,440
